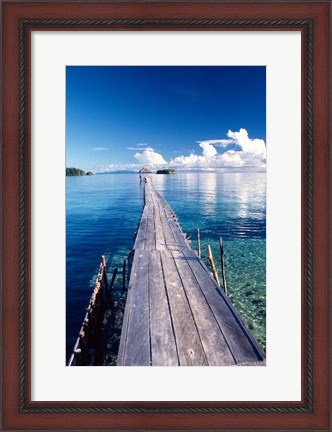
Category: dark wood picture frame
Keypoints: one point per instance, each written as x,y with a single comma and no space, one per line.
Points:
19,19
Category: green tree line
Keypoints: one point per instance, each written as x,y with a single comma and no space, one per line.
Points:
76,172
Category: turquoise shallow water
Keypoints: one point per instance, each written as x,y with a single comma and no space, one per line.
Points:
103,211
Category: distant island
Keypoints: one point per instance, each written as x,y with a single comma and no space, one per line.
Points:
77,172
166,171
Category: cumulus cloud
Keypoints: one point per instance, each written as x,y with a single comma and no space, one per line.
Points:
251,153
208,150
150,157
255,146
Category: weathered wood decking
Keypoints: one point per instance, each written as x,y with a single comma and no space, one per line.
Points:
175,313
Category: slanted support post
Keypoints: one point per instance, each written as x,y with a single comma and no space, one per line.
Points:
199,242
112,284
223,271
104,279
214,270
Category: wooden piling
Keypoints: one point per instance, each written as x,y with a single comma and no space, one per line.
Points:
71,360
199,242
115,272
214,270
222,259
104,280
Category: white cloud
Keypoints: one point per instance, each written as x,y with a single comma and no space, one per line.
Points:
252,154
255,146
150,158
100,148
140,148
217,143
117,167
208,150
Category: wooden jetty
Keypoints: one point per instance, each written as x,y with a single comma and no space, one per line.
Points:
175,312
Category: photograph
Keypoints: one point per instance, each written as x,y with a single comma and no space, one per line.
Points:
166,202
166,216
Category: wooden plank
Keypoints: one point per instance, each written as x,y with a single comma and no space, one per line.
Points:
160,236
188,343
172,234
162,200
179,239
150,235
141,233
216,349
168,234
137,349
242,345
163,347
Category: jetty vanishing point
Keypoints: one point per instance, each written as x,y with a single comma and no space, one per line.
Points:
176,313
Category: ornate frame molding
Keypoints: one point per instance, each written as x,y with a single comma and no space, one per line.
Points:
26,25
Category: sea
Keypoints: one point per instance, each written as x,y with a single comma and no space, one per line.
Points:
103,212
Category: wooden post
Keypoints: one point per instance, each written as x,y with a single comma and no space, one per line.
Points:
214,270
112,285
76,352
223,271
199,242
124,276
71,360
78,360
83,345
104,285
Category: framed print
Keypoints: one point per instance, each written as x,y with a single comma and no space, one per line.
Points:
216,111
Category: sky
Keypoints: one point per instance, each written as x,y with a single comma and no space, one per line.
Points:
184,117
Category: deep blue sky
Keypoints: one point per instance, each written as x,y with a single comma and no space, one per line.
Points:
112,108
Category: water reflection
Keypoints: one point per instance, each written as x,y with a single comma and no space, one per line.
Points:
208,187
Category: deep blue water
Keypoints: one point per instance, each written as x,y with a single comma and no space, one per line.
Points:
103,211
